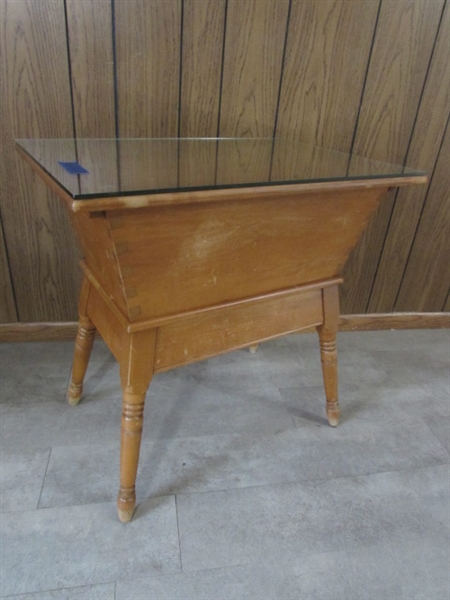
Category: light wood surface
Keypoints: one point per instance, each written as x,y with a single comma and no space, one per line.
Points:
234,249
166,285
204,336
328,353
54,332
178,281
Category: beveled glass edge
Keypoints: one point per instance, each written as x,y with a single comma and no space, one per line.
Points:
412,172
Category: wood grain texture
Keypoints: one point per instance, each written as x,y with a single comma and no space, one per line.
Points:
100,254
196,338
403,44
326,58
425,144
327,51
64,331
255,36
394,321
35,103
254,45
203,30
8,311
427,277
447,303
216,252
148,67
91,56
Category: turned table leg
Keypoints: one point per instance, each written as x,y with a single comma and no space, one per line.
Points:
328,353
136,371
83,347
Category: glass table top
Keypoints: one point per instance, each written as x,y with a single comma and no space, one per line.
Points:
99,168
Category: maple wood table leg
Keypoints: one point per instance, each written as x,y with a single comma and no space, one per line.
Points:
253,348
136,372
83,347
328,353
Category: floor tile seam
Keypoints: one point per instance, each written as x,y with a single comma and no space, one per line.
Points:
59,589
272,562
176,494
286,406
192,571
20,452
435,436
178,533
82,504
43,479
320,479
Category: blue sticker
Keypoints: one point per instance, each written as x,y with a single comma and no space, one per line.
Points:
73,168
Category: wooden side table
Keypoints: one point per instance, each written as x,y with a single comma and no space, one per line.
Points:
193,248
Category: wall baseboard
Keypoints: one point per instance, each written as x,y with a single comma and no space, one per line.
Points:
53,332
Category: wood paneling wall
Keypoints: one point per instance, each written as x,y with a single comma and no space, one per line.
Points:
368,76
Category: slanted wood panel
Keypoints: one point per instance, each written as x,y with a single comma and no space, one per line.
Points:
427,275
327,50
148,37
35,102
89,26
7,304
425,144
403,44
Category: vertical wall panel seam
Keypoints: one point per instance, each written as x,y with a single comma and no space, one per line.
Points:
69,63
421,212
180,84
219,108
8,263
222,69
408,148
363,88
180,80
114,52
116,91
446,300
280,85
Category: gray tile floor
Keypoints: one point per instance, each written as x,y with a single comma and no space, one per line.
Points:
244,491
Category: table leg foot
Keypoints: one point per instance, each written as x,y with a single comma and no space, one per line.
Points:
74,393
126,502
333,413
253,348
125,516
